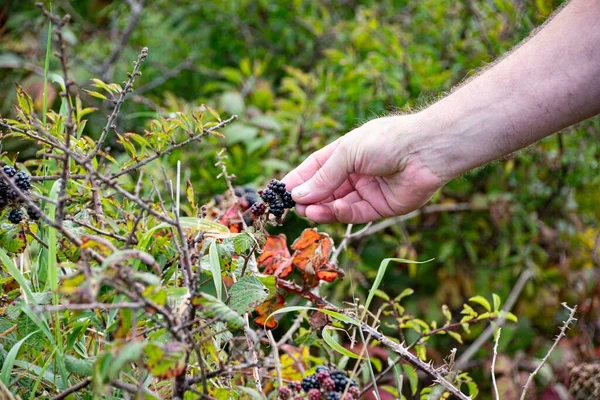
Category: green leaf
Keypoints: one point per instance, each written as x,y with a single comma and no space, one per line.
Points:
509,316
456,336
242,243
247,294
252,393
496,299
405,293
411,375
421,351
333,314
95,94
9,360
333,343
215,268
13,239
165,361
481,301
211,307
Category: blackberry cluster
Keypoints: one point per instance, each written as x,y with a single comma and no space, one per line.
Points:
326,385
277,198
9,197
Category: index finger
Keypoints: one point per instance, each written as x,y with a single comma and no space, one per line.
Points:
309,167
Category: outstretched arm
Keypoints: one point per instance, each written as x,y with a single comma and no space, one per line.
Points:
393,165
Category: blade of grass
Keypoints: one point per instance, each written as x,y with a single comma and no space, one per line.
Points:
9,361
41,376
331,342
52,266
46,68
215,268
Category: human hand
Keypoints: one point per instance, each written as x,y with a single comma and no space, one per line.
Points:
372,172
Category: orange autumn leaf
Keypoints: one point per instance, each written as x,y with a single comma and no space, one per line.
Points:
275,258
312,250
266,309
231,219
329,272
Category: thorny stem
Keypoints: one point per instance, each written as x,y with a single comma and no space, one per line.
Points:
561,334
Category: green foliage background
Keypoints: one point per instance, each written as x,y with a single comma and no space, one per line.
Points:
301,73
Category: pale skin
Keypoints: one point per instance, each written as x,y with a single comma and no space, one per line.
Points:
393,165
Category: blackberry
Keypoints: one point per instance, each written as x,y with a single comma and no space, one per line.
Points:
322,368
258,209
268,196
322,375
33,214
251,198
287,200
309,382
277,186
15,216
341,380
238,191
314,394
249,189
328,384
10,171
284,393
333,396
354,391
295,386
23,181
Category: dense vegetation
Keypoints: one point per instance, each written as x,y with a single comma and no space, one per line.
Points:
193,279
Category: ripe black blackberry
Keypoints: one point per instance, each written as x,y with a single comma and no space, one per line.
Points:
287,200
341,380
268,196
15,216
238,191
277,186
258,209
309,382
23,181
33,214
10,171
333,396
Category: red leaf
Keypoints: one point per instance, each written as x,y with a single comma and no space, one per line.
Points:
267,308
275,258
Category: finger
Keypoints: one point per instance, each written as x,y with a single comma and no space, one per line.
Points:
325,181
320,213
354,212
308,167
300,210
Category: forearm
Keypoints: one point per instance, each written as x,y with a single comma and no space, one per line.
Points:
550,82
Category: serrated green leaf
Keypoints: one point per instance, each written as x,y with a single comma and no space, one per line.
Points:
211,307
243,242
247,294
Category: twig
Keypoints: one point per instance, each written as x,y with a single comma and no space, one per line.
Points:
100,231
275,351
73,389
433,208
88,306
561,334
110,124
494,385
172,148
295,325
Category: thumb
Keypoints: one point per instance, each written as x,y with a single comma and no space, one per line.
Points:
325,180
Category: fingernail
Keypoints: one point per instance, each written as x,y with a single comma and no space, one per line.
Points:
300,191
